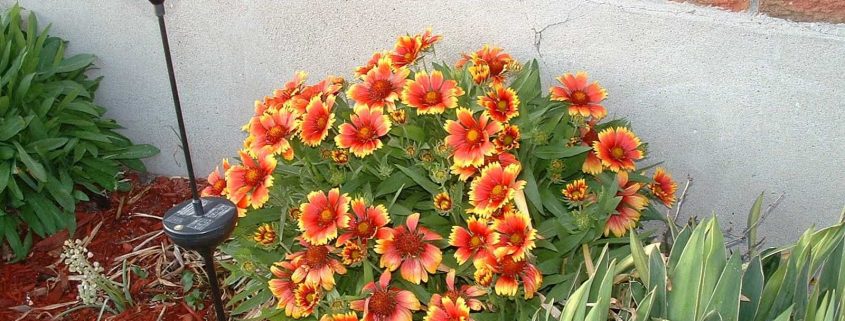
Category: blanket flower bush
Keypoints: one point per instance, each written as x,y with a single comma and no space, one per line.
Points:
418,190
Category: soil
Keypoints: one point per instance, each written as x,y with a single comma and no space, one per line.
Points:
37,288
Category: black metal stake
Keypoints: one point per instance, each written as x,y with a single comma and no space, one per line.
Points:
183,135
208,258
208,221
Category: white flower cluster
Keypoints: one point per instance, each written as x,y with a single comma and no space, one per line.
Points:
76,256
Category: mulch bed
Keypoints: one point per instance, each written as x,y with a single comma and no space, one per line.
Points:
36,288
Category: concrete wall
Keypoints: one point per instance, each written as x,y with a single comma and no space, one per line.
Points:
741,103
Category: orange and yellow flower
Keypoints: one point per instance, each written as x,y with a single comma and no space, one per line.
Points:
508,138
483,275
500,103
316,121
306,296
468,293
618,149
663,187
252,178
284,289
340,156
323,90
367,223
428,39
349,316
272,130
315,264
284,94
476,241
362,71
381,87
469,139
584,98
494,187
576,191
363,135
409,249
399,116
265,234
511,271
352,253
488,63
386,303
442,202
323,215
463,172
592,164
508,208
217,181
448,310
516,235
431,94
406,50
627,212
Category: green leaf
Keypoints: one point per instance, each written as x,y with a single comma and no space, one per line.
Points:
62,195
555,152
35,169
11,127
753,219
421,180
725,298
5,175
752,288
86,135
187,280
532,192
261,297
686,278
640,258
23,87
136,152
75,63
47,144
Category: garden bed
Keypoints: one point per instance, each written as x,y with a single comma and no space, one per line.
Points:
38,288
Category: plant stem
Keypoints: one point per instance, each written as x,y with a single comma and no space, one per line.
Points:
588,260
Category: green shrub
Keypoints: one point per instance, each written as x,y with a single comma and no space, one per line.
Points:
699,280
54,143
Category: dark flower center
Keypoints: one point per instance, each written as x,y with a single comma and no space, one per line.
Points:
316,256
275,134
409,244
511,267
617,152
579,97
432,97
382,303
253,176
380,89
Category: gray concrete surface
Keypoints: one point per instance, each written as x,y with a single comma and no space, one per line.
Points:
741,103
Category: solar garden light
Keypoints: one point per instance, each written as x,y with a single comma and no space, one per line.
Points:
201,223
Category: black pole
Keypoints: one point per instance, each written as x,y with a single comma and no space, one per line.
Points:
159,9
197,232
208,257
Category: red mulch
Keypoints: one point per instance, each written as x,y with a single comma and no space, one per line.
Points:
32,284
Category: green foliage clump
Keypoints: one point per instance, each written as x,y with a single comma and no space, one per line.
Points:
55,145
